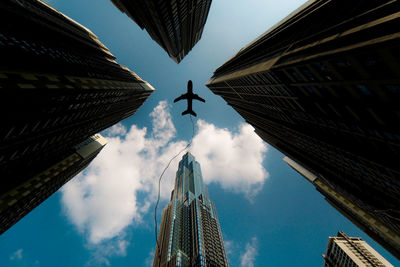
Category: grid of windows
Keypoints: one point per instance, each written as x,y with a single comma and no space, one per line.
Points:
195,238
19,201
60,86
327,96
176,25
343,250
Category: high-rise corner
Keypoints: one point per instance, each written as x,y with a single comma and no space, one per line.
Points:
176,25
323,87
190,234
60,85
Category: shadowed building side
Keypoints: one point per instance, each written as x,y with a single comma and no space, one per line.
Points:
323,87
175,25
60,85
19,201
190,234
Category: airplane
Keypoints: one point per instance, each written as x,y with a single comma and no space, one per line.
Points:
189,96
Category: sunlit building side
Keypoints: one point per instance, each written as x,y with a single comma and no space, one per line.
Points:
343,250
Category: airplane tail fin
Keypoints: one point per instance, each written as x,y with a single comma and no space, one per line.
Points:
189,112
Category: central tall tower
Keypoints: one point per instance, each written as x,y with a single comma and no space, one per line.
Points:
190,234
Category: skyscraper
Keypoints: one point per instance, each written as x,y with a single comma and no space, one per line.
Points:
190,234
59,85
175,25
323,87
23,198
353,210
343,250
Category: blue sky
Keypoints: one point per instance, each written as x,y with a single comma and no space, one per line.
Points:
269,214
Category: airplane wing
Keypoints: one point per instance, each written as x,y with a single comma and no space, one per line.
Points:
195,96
184,96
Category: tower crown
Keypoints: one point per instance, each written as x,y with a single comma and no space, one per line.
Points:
189,181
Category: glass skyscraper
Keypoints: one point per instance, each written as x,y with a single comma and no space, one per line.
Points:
26,196
176,26
60,86
190,234
323,87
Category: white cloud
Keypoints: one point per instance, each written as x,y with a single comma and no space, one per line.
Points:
228,247
17,255
234,160
163,127
149,260
249,256
101,252
117,129
102,201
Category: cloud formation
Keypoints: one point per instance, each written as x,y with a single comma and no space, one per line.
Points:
248,258
228,244
101,252
103,200
233,160
17,255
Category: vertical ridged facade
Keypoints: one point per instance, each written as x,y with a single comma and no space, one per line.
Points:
59,84
323,87
176,25
190,234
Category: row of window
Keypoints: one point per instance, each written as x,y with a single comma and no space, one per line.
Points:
332,159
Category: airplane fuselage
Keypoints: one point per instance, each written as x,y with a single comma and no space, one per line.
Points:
189,96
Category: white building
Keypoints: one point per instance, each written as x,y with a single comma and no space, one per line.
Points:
343,250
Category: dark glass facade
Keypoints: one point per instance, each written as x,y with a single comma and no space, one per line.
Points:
20,200
190,234
323,87
176,25
59,85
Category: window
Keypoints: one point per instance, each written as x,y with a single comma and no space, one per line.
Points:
307,73
393,89
364,90
323,69
375,65
297,77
